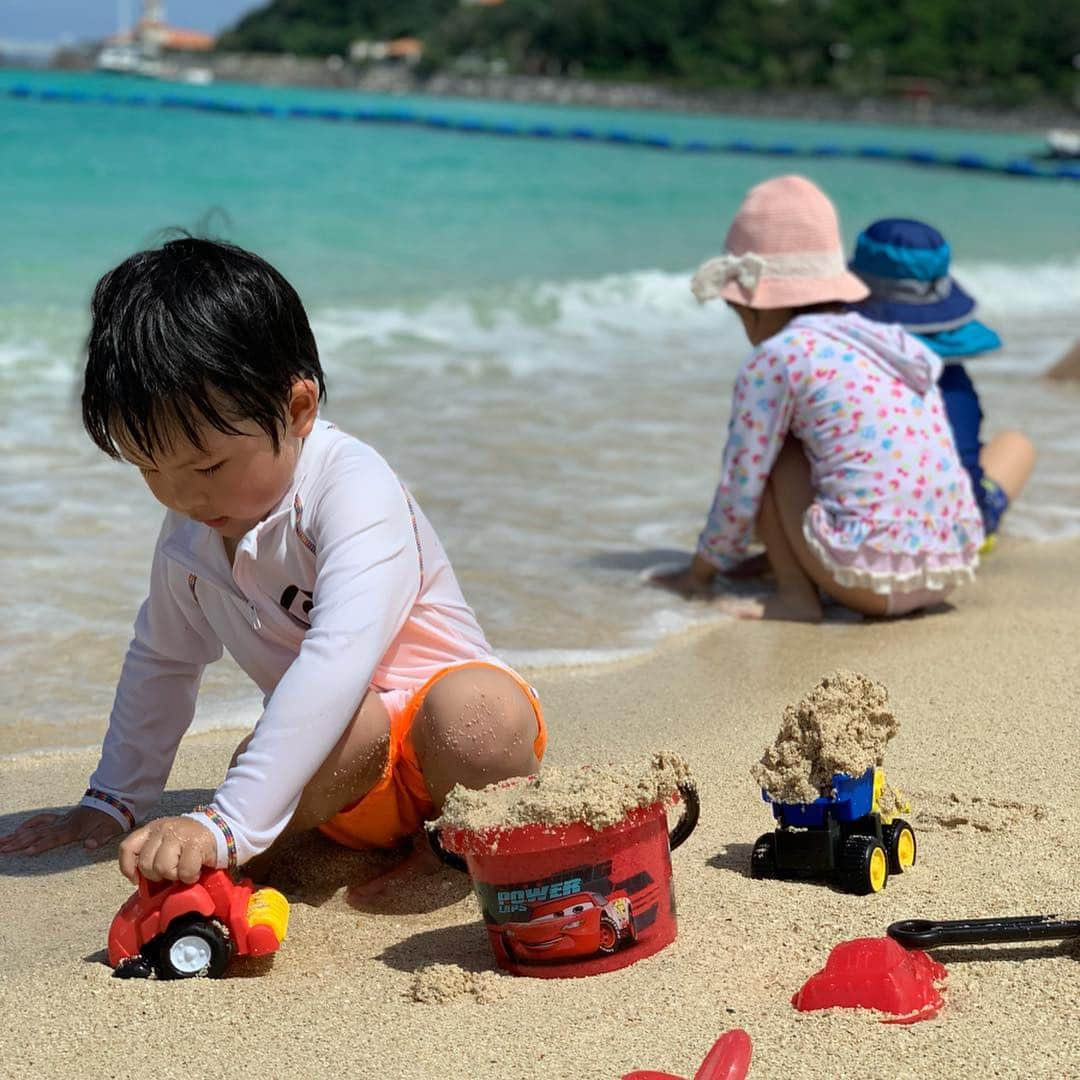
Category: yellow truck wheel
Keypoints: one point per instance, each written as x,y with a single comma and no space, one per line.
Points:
900,844
864,865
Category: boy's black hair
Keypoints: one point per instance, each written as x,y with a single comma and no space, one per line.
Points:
193,332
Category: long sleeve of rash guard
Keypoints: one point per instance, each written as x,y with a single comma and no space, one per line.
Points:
367,578
761,409
155,696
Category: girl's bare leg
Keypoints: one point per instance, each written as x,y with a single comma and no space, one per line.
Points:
796,595
799,574
1008,460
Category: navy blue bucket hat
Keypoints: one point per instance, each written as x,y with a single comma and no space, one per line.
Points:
905,264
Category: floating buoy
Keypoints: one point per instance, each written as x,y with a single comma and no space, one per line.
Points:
1016,167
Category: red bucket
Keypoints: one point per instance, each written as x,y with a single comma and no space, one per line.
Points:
565,901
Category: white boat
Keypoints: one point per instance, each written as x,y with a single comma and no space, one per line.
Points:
1063,143
196,76
128,59
137,49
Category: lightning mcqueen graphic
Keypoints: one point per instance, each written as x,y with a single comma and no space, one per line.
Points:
573,926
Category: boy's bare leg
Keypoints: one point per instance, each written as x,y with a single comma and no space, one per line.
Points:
351,770
1008,460
475,726
799,574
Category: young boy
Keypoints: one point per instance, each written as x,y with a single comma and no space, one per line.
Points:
905,264
295,547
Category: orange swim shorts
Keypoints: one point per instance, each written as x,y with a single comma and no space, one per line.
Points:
399,803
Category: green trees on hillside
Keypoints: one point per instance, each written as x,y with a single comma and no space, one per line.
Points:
998,50
325,27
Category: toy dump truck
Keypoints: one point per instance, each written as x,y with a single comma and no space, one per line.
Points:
843,836
180,931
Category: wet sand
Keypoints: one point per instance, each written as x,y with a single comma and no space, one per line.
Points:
988,703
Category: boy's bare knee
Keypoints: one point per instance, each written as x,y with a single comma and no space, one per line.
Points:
478,725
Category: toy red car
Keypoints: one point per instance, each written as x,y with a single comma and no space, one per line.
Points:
580,925
182,931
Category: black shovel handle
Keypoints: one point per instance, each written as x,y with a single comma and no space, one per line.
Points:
688,820
929,933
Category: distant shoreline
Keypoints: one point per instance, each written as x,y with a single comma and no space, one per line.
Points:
822,105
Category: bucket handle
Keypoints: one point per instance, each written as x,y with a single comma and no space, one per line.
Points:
683,828
452,859
689,817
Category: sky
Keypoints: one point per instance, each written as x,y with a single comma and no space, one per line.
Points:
75,20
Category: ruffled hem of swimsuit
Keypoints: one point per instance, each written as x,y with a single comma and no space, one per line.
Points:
866,556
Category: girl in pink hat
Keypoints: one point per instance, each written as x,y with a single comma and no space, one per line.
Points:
839,454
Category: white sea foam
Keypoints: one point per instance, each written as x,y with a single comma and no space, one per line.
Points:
1006,291
563,437
524,328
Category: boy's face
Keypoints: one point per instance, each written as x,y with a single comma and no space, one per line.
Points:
235,480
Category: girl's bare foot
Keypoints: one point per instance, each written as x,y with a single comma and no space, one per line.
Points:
782,606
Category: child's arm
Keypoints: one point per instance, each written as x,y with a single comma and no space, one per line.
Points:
154,704
368,576
761,411
155,696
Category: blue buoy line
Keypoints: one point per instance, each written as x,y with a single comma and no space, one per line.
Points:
1020,167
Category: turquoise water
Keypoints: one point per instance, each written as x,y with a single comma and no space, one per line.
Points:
508,321
398,208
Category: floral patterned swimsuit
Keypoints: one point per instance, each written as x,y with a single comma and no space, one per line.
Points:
893,510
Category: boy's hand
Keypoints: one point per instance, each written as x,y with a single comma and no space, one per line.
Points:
169,849
44,831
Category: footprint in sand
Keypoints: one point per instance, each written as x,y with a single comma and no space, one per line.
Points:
956,810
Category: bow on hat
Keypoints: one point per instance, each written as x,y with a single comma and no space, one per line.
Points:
714,274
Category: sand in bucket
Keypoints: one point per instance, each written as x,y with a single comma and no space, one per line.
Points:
572,867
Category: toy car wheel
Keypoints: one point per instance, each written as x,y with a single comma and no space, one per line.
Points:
864,865
192,947
899,839
763,857
609,936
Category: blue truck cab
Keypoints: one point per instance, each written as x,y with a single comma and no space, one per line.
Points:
843,836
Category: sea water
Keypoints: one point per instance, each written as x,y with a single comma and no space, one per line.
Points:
508,321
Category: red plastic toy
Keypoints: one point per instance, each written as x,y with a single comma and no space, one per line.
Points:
567,900
875,973
182,931
729,1059
581,925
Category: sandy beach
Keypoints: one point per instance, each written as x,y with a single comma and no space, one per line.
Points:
987,699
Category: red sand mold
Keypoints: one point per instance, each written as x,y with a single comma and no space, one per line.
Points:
876,973
729,1059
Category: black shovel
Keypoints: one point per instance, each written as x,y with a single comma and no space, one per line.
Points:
929,934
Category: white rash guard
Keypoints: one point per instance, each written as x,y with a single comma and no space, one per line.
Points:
343,586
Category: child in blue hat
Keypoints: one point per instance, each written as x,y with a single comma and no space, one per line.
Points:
905,264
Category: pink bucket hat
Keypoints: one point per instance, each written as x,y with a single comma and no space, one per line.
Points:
783,250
